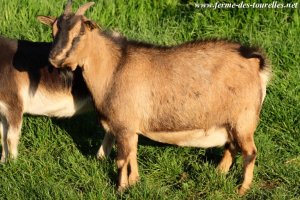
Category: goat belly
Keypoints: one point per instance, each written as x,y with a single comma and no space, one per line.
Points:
213,137
52,104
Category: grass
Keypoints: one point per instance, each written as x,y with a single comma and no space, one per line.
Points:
57,156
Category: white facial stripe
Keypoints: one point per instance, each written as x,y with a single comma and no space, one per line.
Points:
73,35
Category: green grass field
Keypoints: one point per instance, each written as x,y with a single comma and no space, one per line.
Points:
57,156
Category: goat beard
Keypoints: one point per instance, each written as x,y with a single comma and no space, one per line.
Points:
67,75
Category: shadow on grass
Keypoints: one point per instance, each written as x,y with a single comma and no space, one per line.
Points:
84,131
88,135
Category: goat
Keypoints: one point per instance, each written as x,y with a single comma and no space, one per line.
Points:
197,94
29,84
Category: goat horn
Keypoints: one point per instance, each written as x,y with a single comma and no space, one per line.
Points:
68,8
83,8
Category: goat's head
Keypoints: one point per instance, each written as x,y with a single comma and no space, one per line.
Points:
69,32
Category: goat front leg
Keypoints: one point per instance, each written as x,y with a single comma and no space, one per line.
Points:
4,131
10,135
228,157
127,159
106,146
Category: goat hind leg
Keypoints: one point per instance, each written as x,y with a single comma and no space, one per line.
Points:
249,155
245,139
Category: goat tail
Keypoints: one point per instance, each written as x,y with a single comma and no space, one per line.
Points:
264,65
265,71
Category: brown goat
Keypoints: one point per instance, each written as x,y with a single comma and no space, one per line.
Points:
30,84
198,94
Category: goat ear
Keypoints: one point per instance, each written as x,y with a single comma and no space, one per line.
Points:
91,24
47,20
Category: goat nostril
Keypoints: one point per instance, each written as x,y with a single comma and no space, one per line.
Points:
52,61
51,55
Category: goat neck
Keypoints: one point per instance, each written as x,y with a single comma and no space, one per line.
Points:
102,58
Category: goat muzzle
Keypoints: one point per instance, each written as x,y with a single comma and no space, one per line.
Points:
54,62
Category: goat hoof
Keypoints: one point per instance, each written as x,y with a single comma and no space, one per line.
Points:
242,191
3,160
100,155
121,189
133,180
222,169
